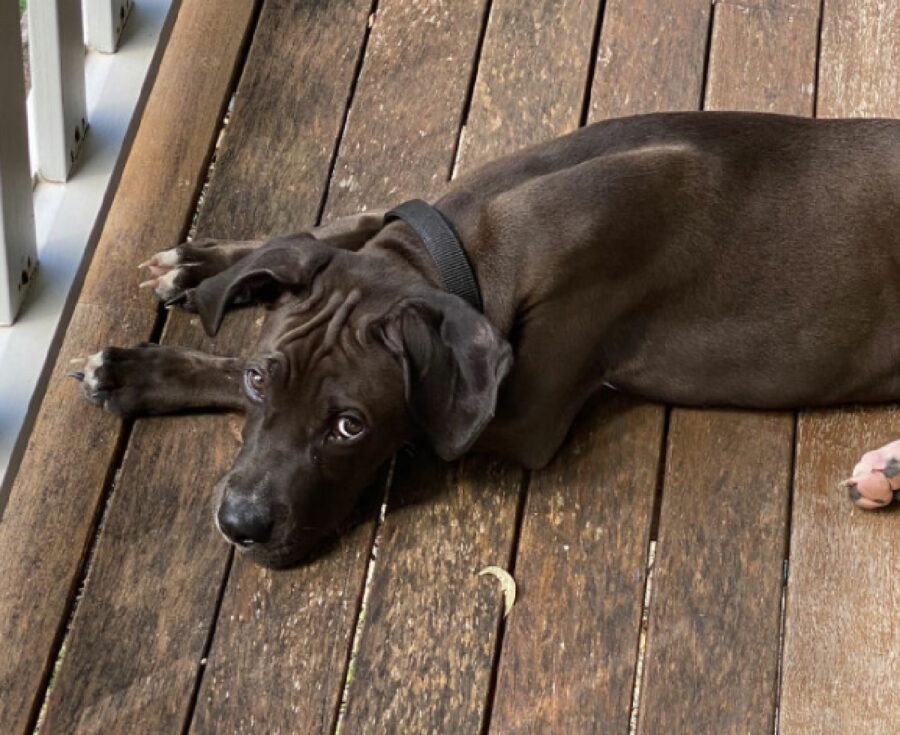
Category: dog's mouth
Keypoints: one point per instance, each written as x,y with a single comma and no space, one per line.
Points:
286,555
272,558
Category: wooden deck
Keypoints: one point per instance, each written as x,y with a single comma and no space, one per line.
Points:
690,571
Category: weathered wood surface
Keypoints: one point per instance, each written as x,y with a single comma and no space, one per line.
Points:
427,648
715,613
56,496
531,77
140,632
568,657
651,57
389,109
569,654
428,644
401,135
842,643
763,58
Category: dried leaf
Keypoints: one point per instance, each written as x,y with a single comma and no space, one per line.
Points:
507,584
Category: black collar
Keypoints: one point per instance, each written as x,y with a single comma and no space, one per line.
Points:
444,247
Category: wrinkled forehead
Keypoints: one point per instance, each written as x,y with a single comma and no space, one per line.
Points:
322,342
318,320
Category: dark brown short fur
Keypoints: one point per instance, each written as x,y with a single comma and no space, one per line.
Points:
694,258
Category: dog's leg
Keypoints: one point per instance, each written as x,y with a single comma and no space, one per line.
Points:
536,412
177,269
153,379
352,232
876,478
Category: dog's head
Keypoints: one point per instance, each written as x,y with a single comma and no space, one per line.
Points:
354,362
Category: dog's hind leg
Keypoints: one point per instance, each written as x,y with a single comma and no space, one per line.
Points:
155,379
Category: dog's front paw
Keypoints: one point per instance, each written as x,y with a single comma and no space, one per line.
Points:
175,271
116,379
876,478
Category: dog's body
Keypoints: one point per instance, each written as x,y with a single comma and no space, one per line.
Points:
705,259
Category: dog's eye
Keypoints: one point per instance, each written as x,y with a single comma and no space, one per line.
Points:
254,383
347,427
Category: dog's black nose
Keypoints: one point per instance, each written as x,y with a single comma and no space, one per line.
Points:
244,523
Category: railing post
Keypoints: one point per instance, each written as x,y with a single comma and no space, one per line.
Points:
104,21
18,255
56,40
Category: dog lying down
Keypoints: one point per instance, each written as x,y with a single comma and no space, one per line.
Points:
705,259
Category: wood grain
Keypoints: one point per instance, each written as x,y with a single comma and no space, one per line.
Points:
650,57
401,135
763,59
253,652
531,77
569,654
841,639
138,636
56,494
715,614
427,646
431,624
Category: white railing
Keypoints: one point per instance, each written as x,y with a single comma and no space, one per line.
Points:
60,152
58,116
18,252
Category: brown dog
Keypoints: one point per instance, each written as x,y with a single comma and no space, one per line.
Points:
693,258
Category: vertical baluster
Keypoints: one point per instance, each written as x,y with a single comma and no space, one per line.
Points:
18,256
56,39
104,21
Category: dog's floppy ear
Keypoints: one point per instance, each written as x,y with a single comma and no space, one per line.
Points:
453,361
261,276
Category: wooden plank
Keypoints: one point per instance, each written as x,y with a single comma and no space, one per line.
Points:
425,587
841,639
410,98
763,59
388,110
427,645
568,658
68,457
858,68
531,77
715,615
650,57
138,636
